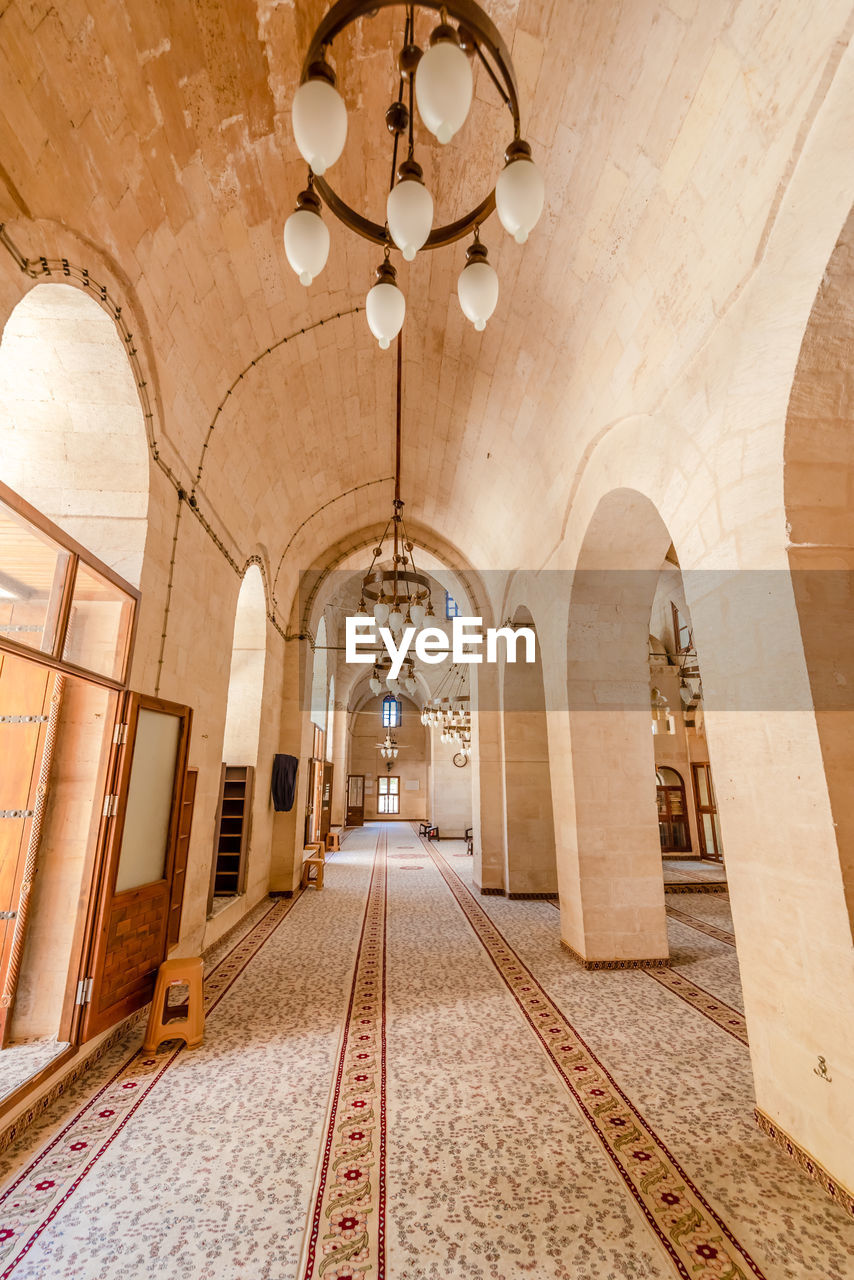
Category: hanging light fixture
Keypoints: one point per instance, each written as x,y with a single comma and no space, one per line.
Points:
319,117
444,84
477,287
385,305
520,192
409,210
439,83
307,237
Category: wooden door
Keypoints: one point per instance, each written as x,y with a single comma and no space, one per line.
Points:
707,814
25,693
355,815
326,803
139,837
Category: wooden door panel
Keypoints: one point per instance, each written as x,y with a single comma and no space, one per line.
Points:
130,926
355,808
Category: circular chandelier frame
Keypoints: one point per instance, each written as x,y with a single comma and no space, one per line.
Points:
415,586
486,40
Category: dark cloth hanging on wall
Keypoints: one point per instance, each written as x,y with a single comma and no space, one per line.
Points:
284,783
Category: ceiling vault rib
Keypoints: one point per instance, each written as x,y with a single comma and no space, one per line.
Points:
274,346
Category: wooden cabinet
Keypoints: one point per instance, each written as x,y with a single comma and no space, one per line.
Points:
231,839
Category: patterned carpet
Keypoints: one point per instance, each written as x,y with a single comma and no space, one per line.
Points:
402,1080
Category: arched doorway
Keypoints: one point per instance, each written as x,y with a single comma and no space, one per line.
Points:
531,869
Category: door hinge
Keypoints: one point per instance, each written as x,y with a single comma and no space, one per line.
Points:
111,806
84,991
120,734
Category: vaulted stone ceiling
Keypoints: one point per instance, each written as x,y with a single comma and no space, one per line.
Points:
158,133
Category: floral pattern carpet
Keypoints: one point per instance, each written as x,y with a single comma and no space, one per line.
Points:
403,1080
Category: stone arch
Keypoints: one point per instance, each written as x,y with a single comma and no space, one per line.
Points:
246,678
531,868
71,428
819,497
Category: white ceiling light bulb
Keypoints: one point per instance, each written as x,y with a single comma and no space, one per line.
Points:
520,192
381,610
395,618
319,118
409,210
385,306
477,287
443,84
307,238
416,613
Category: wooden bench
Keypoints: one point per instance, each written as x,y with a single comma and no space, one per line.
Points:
313,855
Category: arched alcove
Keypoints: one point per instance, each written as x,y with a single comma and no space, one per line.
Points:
530,840
72,435
246,678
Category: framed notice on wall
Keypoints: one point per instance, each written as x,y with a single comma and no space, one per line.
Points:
412,784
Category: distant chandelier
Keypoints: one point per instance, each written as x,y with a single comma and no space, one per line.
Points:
439,83
389,748
449,710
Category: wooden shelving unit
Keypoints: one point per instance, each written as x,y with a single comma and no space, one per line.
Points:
231,840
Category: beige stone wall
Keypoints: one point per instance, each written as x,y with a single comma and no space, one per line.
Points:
410,766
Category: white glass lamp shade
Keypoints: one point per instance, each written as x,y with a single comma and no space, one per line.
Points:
411,686
477,289
394,752
385,307
375,684
409,210
416,613
395,618
443,85
306,244
381,612
319,118
519,193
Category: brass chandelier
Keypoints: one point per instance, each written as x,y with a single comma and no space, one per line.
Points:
439,83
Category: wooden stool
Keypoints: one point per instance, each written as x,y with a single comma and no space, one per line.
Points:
333,841
183,1022
317,859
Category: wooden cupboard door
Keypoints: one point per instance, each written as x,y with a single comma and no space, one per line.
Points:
140,838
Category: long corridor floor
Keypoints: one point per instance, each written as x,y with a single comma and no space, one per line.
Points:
402,1080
